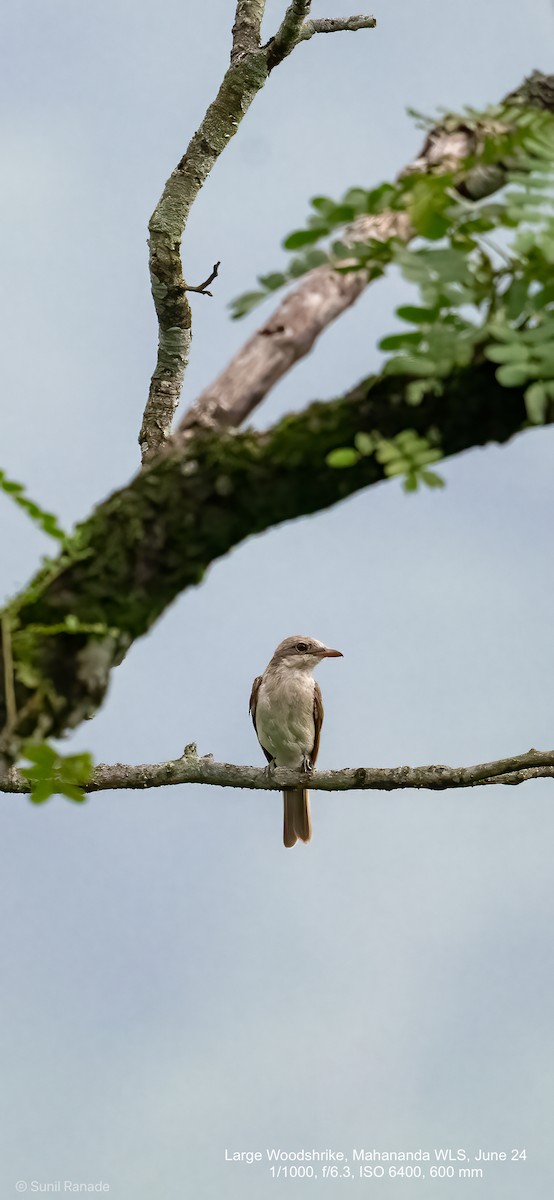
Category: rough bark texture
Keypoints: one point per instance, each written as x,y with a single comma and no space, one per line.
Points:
535,764
246,30
322,296
335,25
289,32
192,504
156,537
246,75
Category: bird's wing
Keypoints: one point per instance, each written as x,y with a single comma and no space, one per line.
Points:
252,706
318,721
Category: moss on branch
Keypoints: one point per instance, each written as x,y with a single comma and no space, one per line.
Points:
156,537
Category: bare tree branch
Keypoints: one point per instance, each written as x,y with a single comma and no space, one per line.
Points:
335,25
247,73
246,30
535,764
243,80
323,295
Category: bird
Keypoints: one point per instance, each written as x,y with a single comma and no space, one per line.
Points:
287,712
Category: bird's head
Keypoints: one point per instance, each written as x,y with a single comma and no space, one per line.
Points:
302,653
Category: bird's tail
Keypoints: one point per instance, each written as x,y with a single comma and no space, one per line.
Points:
297,816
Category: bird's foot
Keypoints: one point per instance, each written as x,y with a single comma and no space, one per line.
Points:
270,767
307,764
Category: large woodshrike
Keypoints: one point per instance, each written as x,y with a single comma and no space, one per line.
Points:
287,711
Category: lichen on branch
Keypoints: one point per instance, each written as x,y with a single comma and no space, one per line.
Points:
156,537
519,768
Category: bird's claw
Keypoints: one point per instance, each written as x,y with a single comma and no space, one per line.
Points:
307,765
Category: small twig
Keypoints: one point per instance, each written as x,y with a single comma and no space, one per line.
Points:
335,25
202,288
9,689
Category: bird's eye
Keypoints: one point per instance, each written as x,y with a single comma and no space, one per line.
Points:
301,647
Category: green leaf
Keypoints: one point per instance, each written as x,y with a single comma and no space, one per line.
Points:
40,753
397,466
344,456
432,479
77,768
416,390
506,352
315,258
450,265
411,364
381,197
340,214
42,791
245,303
536,403
364,443
425,206
409,437
397,341
273,281
304,237
45,520
503,332
357,198
72,792
512,375
53,774
341,250
386,451
429,455
417,316
297,267
410,483
322,204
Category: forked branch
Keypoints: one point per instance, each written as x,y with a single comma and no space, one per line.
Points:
249,68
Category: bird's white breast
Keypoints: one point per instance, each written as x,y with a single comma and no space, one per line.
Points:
285,715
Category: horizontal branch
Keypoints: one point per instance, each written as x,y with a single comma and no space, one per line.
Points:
156,537
535,764
335,25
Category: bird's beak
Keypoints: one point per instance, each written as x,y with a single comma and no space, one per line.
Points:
332,654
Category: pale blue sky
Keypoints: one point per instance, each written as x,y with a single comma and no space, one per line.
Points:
173,981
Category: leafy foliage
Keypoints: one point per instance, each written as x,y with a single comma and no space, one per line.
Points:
52,774
478,297
45,520
407,455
